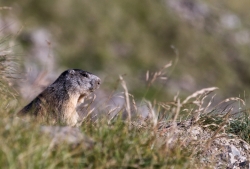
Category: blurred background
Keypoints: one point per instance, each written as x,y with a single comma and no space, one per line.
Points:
206,41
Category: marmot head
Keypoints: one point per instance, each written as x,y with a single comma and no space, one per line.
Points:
80,81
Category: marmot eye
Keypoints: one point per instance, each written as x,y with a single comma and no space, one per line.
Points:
85,74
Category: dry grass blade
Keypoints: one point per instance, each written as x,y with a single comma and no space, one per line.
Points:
167,65
159,74
112,110
231,99
153,115
200,92
199,102
126,94
177,111
133,101
89,113
87,106
110,120
147,76
166,106
209,104
221,127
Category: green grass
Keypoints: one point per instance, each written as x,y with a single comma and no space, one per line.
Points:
116,146
119,143
241,126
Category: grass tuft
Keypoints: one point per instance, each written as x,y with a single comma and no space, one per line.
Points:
166,138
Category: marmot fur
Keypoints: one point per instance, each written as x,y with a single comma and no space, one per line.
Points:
57,103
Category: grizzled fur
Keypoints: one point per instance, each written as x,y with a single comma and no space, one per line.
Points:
58,102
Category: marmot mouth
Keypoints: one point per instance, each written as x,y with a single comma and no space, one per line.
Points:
92,89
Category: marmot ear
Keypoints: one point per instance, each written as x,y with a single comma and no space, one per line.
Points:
71,71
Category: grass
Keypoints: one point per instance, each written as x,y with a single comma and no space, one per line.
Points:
119,146
116,146
120,143
134,142
241,126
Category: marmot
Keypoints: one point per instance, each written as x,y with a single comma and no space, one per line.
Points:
57,103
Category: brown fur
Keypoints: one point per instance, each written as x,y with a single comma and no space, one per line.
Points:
57,103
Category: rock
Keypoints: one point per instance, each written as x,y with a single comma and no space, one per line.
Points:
69,135
222,150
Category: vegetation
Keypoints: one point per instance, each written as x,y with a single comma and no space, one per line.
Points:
134,142
132,39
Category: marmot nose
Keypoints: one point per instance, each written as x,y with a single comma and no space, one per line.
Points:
96,83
